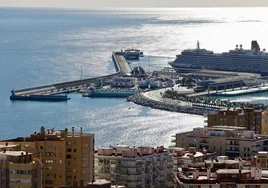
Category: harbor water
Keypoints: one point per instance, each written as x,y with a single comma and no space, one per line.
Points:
41,46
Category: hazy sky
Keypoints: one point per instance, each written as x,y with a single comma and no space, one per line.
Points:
130,3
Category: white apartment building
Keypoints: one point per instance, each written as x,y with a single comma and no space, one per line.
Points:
135,167
224,140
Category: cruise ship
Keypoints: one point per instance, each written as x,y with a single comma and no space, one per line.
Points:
238,60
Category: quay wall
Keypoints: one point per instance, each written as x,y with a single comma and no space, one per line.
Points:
115,62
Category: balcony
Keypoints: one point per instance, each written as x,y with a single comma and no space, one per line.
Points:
232,143
119,171
203,142
232,151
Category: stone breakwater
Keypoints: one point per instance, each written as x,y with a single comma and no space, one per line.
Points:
173,106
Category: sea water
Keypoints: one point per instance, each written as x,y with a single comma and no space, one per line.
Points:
41,46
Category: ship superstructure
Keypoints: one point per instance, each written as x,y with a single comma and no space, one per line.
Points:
239,59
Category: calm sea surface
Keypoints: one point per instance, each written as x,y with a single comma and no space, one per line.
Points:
40,46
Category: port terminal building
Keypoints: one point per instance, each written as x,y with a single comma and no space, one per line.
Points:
223,80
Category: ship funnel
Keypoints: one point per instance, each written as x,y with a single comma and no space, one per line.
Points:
255,46
198,45
236,47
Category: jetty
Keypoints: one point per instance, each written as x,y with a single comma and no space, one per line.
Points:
53,92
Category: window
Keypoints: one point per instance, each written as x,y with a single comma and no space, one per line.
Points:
49,154
49,161
48,181
49,147
234,176
49,168
40,147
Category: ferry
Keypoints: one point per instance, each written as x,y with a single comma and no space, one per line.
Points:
132,54
237,60
110,93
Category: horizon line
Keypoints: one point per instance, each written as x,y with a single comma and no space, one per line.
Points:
124,8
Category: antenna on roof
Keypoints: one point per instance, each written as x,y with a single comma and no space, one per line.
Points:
198,45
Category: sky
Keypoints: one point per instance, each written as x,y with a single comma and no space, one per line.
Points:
131,3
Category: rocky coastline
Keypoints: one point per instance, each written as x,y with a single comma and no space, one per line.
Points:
140,99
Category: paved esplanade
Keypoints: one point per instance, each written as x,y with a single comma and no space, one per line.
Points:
122,64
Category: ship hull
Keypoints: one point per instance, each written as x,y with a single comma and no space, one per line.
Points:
39,97
254,64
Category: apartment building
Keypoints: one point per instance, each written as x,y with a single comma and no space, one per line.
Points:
224,140
190,157
135,166
19,169
260,160
251,119
223,173
66,156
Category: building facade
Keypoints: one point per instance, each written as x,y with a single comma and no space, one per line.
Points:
66,156
251,119
260,160
19,169
135,167
124,81
224,140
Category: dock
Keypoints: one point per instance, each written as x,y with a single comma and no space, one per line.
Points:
242,91
50,91
231,92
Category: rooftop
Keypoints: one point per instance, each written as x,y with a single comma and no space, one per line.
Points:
232,133
2,146
232,171
221,127
129,152
15,153
100,182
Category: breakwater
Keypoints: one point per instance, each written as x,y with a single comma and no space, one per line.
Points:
140,99
49,92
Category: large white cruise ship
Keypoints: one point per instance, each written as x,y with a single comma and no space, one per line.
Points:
237,60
